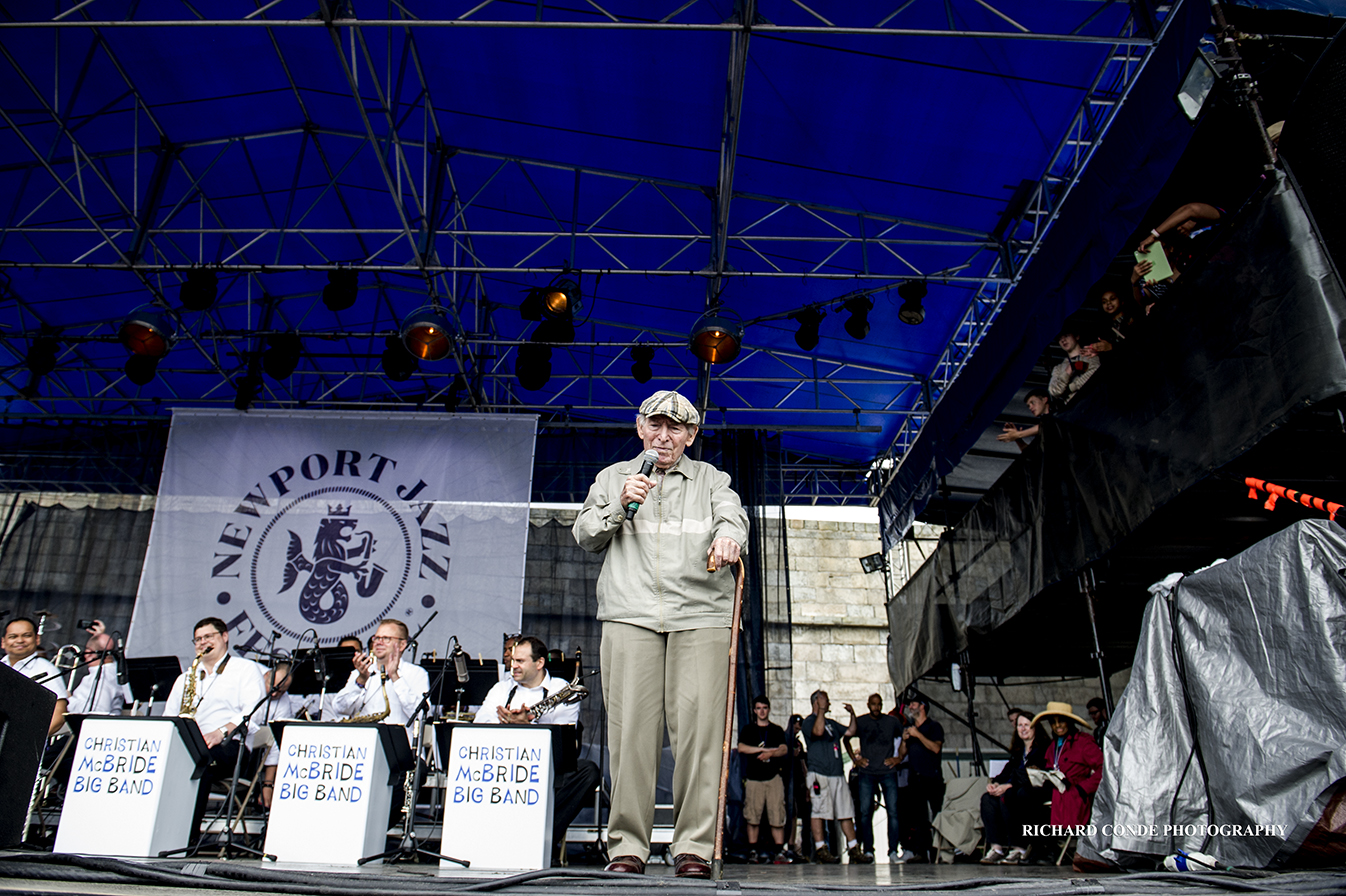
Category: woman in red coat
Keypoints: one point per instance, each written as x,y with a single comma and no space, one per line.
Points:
1078,759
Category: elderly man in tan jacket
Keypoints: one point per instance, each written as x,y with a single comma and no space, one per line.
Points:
665,630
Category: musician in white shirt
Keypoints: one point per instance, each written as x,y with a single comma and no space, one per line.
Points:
227,688
98,692
406,683
512,701
21,655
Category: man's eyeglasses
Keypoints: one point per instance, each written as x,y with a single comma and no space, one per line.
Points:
204,639
385,638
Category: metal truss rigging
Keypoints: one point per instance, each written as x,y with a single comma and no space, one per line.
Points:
385,188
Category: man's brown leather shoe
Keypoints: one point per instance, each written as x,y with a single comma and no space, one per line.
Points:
688,865
626,865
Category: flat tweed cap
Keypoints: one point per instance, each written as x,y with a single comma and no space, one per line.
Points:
671,405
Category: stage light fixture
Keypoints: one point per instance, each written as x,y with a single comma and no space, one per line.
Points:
397,364
282,356
641,356
249,387
1197,86
454,395
140,369
147,331
806,337
716,338
911,312
199,290
561,299
427,333
343,286
560,331
532,365
872,563
858,323
41,358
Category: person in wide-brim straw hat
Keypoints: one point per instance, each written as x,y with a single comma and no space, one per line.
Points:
1079,760
1055,708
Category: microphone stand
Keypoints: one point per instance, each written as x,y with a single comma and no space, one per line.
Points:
227,807
409,847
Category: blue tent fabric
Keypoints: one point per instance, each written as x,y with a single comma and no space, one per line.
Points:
1105,209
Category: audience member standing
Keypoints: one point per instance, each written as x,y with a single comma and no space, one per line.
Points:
876,769
922,742
1070,376
762,750
827,784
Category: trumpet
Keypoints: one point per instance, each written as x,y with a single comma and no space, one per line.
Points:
383,688
187,709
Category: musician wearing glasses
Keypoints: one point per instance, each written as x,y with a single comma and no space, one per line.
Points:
382,680
217,692
21,655
98,692
512,701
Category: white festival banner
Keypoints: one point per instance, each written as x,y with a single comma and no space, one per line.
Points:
299,522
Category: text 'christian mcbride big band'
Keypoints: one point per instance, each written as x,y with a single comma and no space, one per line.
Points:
665,621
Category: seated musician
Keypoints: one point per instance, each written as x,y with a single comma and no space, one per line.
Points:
98,692
21,643
322,707
403,682
217,692
279,705
509,702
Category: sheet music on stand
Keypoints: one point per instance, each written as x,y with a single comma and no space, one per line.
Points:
340,662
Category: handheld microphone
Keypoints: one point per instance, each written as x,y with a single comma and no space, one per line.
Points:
460,662
120,655
646,468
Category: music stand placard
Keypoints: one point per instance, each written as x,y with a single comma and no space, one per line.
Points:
133,785
498,802
332,796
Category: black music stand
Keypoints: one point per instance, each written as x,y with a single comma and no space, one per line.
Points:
151,676
482,675
25,714
304,679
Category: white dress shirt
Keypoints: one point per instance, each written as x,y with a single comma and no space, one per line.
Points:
34,666
98,693
403,694
226,695
499,695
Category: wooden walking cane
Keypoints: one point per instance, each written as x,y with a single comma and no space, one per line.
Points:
717,862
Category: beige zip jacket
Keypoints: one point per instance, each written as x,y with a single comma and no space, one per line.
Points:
654,575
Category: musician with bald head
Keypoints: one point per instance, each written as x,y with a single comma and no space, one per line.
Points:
98,692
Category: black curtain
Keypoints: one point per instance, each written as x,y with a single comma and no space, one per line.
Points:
76,564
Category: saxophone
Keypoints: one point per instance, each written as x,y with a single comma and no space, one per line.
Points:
187,708
383,688
573,692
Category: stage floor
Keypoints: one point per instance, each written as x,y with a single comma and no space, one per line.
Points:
33,873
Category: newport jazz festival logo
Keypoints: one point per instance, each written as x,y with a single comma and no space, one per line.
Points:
332,542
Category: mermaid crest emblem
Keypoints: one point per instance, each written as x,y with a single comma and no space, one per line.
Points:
338,551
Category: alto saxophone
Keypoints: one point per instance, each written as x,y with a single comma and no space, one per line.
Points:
383,687
187,708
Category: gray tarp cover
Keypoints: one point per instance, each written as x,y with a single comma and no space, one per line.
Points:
1262,637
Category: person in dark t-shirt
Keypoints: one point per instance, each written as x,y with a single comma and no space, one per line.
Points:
876,770
922,742
762,750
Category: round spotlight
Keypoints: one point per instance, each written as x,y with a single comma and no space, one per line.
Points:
532,365
343,286
715,338
641,356
561,299
858,323
41,357
147,331
427,333
397,365
140,369
199,290
280,360
807,335
911,312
